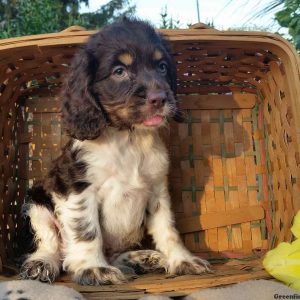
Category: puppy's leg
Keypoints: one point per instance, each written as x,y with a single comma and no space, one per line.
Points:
160,225
142,261
82,238
44,263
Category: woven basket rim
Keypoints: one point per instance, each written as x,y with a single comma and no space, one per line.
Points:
172,34
250,40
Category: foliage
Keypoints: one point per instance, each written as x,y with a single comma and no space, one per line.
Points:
107,13
31,17
168,22
289,17
24,17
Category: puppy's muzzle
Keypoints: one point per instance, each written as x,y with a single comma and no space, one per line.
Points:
156,99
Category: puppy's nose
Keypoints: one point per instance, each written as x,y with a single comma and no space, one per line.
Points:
156,98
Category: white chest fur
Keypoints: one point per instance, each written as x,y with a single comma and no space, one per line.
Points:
124,167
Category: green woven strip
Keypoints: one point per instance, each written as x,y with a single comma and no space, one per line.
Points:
248,154
236,226
222,189
255,224
260,95
34,158
196,120
189,189
229,232
221,119
223,152
53,122
221,123
254,114
263,229
230,155
191,156
233,188
33,122
257,152
226,189
218,188
252,188
189,121
193,182
216,260
196,237
273,241
193,189
260,187
269,172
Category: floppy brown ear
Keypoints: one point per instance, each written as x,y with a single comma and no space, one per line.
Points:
83,115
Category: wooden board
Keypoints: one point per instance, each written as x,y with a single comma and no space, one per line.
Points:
228,273
220,219
234,101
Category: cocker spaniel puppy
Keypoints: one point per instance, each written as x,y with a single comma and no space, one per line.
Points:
110,185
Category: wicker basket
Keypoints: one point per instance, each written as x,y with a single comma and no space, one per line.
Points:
234,174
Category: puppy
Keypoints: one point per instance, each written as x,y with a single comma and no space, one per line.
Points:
110,185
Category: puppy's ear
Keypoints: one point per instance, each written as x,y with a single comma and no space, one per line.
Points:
83,115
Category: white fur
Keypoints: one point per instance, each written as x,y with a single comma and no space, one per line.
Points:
44,225
79,255
128,175
124,167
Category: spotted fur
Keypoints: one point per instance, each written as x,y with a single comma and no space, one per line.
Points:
110,185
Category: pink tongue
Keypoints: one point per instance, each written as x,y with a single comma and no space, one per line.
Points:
155,120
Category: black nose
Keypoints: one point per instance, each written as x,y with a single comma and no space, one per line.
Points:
156,98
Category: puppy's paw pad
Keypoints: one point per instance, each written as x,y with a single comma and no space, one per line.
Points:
38,270
194,267
100,276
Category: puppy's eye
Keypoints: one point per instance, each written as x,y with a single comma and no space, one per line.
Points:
163,68
120,71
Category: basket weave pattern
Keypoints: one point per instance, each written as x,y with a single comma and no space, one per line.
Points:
234,176
237,155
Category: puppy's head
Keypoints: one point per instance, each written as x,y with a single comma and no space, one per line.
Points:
124,77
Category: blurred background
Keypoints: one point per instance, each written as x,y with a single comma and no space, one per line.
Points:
25,17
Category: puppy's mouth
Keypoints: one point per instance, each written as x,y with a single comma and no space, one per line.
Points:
155,120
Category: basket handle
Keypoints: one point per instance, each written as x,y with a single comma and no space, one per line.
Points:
202,26
74,28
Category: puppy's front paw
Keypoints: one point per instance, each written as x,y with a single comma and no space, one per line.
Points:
39,270
192,266
99,276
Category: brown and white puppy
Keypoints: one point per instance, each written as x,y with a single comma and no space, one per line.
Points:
110,185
